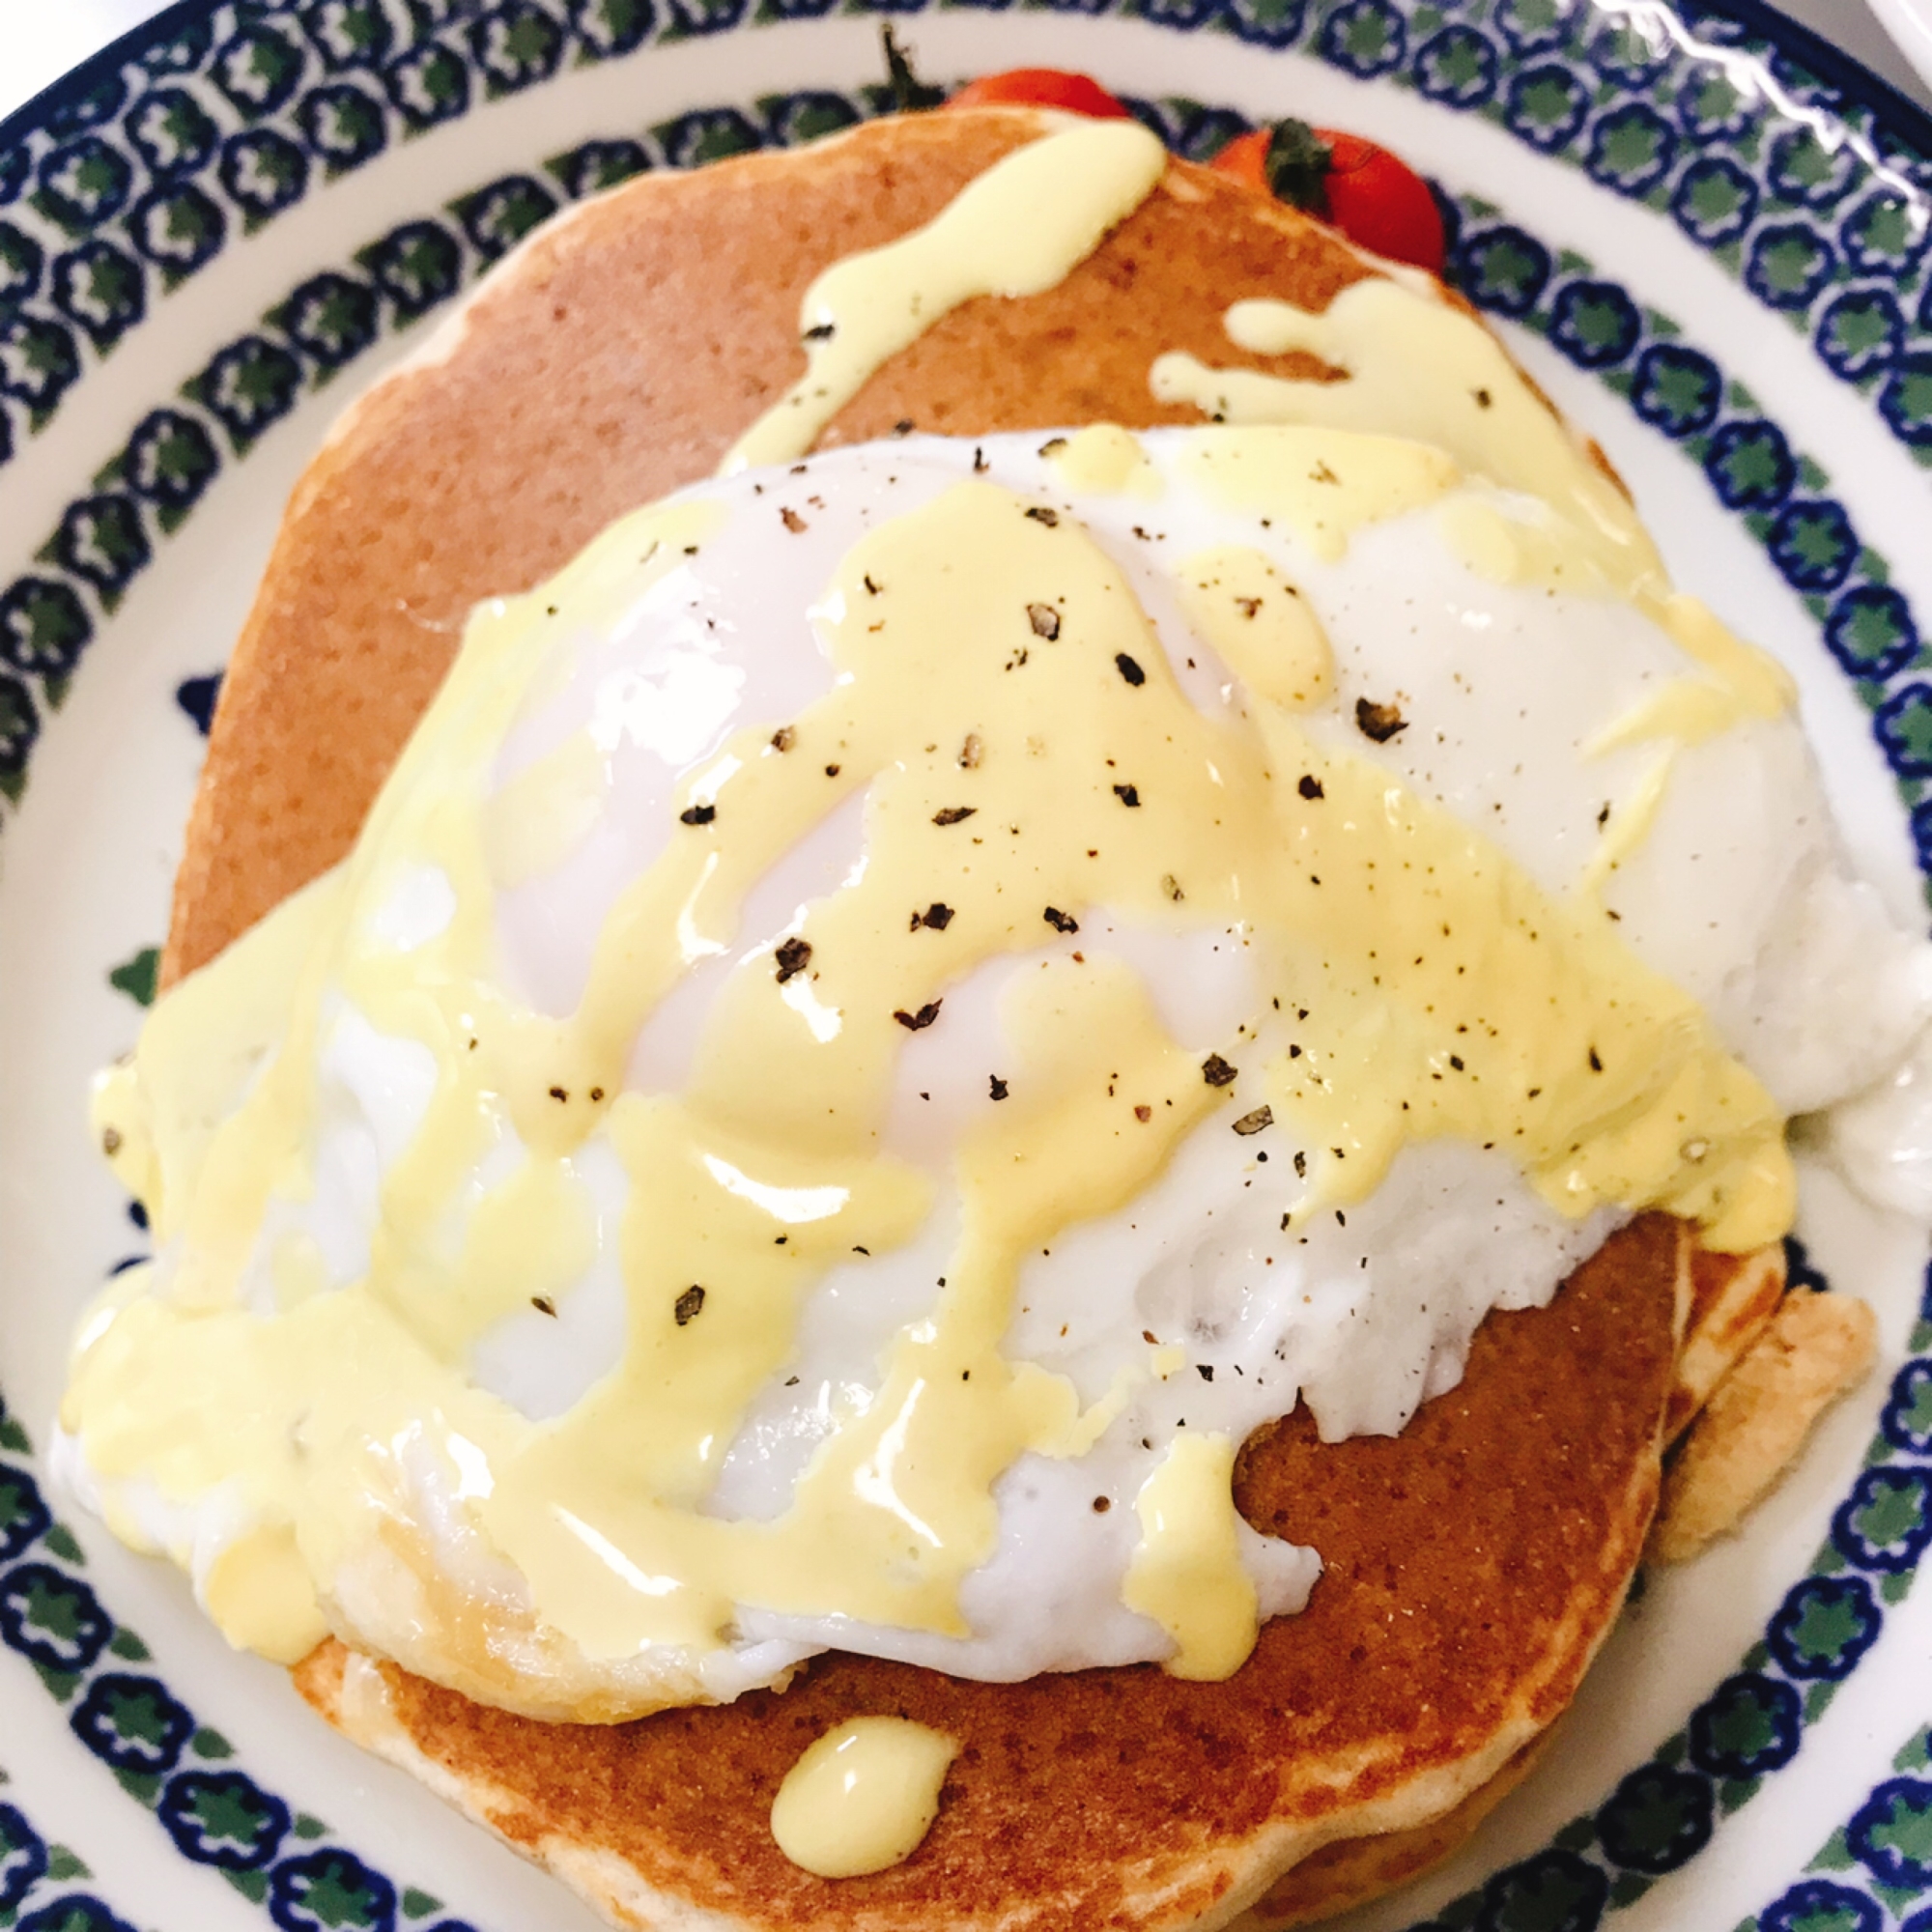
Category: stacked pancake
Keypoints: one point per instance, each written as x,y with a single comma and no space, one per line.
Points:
1471,1564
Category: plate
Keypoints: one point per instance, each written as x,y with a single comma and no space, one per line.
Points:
1704,233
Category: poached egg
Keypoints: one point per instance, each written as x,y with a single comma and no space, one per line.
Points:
860,933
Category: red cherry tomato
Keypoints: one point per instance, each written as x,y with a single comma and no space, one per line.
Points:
1245,159
1364,190
1383,203
1042,87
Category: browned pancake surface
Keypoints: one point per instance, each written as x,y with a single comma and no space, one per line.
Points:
1471,1563
621,358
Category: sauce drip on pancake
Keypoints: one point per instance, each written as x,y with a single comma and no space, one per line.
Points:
861,1797
1018,229
1403,359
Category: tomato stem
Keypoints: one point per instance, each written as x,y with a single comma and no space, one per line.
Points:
910,93
1297,166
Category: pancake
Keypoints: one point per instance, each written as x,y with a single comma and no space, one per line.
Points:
617,357
1474,1563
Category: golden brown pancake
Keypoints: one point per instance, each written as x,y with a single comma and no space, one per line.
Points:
1733,1300
1474,1563
620,356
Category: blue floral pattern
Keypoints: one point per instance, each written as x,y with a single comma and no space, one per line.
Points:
1875,1868
23,1859
34,1879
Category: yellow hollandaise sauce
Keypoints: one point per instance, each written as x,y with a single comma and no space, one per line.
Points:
862,1797
1004,714
1437,991
1015,231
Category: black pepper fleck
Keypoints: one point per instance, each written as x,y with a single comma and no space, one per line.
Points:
1127,794
687,1304
544,1305
1040,514
938,917
793,956
1253,1124
1129,668
918,1022
1060,921
697,814
791,519
1378,722
998,1087
953,814
1311,786
1216,1071
1045,619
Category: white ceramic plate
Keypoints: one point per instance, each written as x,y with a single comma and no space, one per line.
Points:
1705,236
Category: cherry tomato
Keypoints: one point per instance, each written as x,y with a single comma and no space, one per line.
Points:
1042,87
1371,196
1245,159
1383,203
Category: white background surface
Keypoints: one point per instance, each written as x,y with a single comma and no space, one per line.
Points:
40,40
